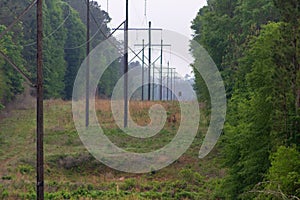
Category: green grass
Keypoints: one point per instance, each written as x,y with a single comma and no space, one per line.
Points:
72,173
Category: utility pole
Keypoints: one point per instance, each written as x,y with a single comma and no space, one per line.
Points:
163,88
161,45
39,91
126,68
87,97
149,64
171,92
125,58
172,80
153,82
168,81
161,72
174,85
143,66
40,111
32,4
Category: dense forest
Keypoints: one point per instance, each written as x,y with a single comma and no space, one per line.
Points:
64,46
255,44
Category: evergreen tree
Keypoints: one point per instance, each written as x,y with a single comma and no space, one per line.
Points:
74,48
258,56
11,83
250,123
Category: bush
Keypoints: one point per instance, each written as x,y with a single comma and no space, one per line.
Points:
4,194
129,184
25,169
191,177
283,178
7,177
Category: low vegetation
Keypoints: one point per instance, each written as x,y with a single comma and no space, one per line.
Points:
72,173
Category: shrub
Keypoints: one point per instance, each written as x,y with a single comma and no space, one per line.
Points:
283,178
25,169
191,177
7,177
129,184
4,194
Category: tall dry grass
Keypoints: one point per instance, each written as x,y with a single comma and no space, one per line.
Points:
138,110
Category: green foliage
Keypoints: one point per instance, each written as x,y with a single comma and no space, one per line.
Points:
190,176
25,169
257,107
54,63
99,31
258,56
63,44
10,81
72,173
4,194
129,184
7,177
109,79
283,177
98,19
74,54
223,28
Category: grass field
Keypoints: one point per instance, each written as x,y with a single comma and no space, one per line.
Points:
72,173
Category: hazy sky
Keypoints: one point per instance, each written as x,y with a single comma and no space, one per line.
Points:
173,15
166,14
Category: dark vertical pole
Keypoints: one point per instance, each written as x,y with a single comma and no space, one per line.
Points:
168,82
153,80
87,97
149,74
174,96
126,68
40,111
143,66
161,65
171,95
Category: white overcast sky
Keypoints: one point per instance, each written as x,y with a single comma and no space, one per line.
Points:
173,15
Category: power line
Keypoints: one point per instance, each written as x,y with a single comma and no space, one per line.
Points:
53,32
27,78
145,14
91,38
17,19
105,36
125,54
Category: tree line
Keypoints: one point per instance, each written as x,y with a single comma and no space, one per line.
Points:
64,46
255,44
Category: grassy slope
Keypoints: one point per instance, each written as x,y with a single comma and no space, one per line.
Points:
72,173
